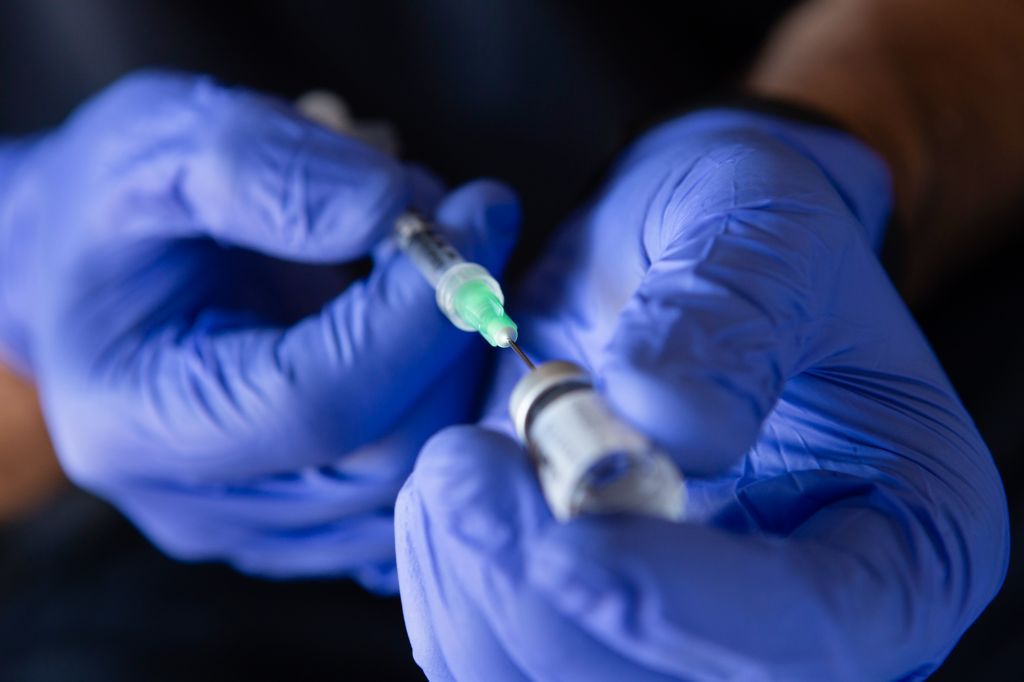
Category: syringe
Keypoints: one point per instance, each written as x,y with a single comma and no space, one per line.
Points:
466,292
588,459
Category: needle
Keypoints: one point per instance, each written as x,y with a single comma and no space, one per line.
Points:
521,354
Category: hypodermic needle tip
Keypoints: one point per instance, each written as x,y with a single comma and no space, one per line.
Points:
521,354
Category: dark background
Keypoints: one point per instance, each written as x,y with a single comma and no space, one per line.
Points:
539,94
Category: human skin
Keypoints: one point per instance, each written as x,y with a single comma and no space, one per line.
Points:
29,472
936,86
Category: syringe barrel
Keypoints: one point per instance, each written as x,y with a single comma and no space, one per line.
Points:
587,458
429,251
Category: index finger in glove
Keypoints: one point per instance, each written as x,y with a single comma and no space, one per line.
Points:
750,253
194,158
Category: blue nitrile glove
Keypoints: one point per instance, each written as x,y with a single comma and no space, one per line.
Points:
846,521
195,381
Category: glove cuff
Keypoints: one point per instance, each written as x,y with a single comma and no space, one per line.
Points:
859,174
14,346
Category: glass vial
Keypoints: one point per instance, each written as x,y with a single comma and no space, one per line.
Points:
588,459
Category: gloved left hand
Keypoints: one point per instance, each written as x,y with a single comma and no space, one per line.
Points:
845,520
168,282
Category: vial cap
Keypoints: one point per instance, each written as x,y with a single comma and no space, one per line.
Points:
537,383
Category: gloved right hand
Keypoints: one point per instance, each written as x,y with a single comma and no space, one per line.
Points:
845,519
164,256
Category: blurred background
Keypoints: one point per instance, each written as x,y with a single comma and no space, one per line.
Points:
539,94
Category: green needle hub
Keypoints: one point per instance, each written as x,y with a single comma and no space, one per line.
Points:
482,310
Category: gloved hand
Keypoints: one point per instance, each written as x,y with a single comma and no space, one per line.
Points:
166,280
845,519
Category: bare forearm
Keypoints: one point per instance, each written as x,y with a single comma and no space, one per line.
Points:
936,86
29,472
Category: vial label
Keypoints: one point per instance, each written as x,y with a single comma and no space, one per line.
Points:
572,435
